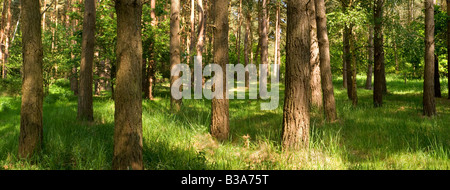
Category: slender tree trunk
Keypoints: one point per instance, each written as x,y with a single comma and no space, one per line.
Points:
239,24
345,55
247,47
85,107
316,98
264,39
329,103
201,33
128,99
295,133
378,54
278,40
220,126
429,107
31,128
43,15
348,59
74,71
150,72
175,16
6,39
2,34
370,60
354,95
437,82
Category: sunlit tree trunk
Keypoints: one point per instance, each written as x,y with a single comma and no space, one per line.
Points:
316,98
325,67
295,133
31,112
128,98
220,125
175,16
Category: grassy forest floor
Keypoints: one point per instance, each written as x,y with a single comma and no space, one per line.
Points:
395,136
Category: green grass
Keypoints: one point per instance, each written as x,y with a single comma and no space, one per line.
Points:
395,136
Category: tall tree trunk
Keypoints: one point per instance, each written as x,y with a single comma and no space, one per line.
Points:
345,55
74,71
6,39
31,128
128,99
354,96
437,82
85,107
201,33
239,24
348,54
295,133
220,125
2,34
175,16
370,60
316,98
247,47
150,72
277,45
378,54
429,107
329,103
264,39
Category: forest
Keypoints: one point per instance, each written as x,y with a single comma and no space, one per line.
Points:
351,84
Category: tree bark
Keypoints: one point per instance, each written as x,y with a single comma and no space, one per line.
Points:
128,98
437,82
150,71
238,42
85,107
329,103
379,54
345,55
277,45
247,46
175,47
429,107
31,128
220,126
295,133
6,38
370,60
348,54
316,98
354,95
